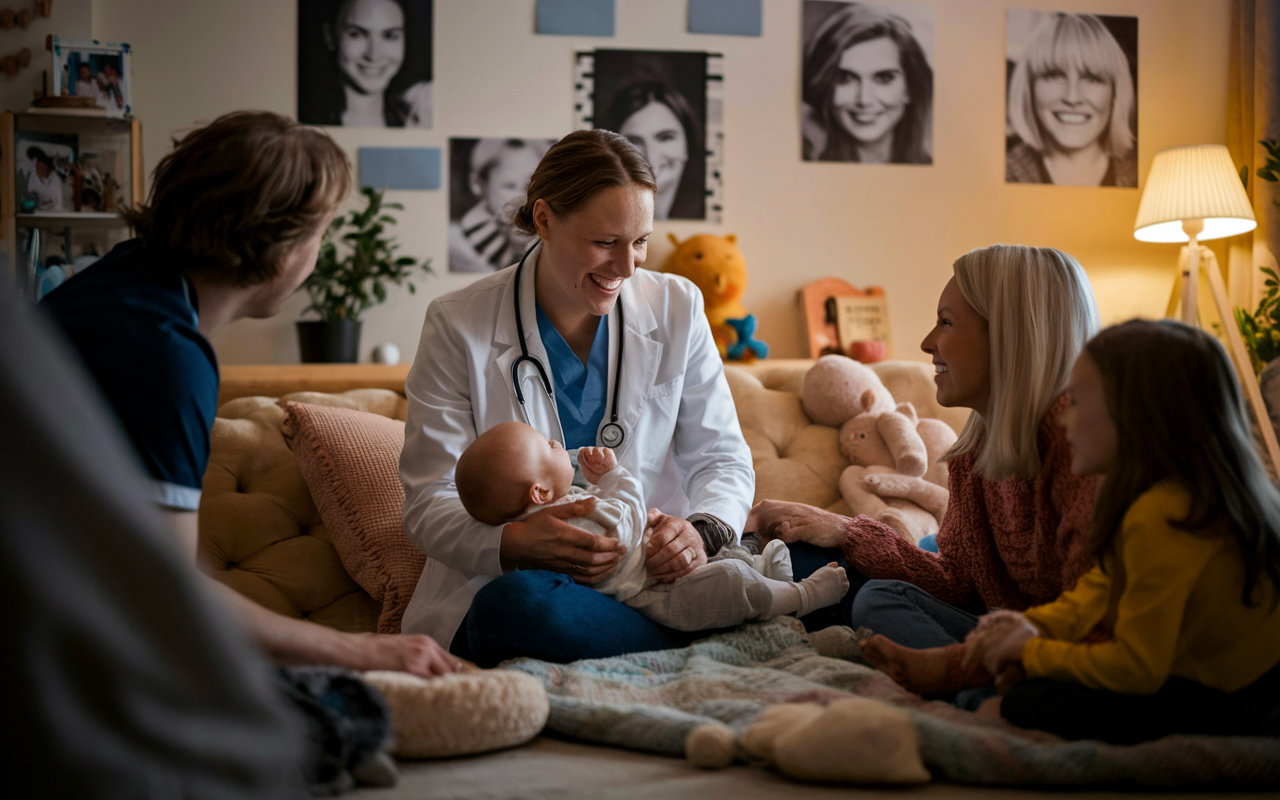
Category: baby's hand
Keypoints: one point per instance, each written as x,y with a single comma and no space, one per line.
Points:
595,462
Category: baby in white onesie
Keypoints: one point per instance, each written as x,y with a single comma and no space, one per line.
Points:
512,471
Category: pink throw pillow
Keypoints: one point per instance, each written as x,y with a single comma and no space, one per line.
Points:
351,463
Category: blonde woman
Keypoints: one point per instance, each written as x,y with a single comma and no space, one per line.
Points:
1071,99
1011,323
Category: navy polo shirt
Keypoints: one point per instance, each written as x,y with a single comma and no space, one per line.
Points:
133,319
580,388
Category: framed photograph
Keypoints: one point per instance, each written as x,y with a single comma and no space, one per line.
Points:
487,182
867,83
103,178
48,178
365,63
670,105
94,69
1071,114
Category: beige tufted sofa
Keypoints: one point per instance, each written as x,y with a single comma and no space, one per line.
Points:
260,532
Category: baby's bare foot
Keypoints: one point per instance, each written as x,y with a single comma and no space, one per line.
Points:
825,587
929,671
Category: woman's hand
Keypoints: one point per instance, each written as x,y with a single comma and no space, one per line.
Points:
675,548
796,522
546,541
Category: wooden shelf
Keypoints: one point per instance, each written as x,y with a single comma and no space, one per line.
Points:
90,219
58,121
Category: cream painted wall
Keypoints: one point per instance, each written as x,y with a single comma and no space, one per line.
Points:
896,226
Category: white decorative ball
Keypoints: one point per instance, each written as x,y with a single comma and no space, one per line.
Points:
386,353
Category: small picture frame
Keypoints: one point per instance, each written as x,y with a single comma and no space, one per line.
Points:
89,68
47,176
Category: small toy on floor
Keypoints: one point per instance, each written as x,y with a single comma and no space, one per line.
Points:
854,740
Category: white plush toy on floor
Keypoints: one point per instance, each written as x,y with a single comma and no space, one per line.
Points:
854,740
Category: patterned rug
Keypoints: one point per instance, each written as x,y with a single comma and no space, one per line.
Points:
650,702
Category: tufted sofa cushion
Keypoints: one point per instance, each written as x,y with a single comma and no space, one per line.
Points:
796,459
261,534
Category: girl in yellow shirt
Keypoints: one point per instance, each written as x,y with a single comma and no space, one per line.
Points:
1187,535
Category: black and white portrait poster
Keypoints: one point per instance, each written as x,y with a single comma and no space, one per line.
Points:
364,63
867,83
487,183
670,105
1071,99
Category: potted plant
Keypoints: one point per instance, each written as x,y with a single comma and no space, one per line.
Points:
343,288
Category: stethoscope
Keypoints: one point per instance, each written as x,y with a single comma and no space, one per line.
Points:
611,434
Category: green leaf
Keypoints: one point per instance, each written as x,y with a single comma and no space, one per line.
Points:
356,261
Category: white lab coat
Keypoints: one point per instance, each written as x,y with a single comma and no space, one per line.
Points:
683,441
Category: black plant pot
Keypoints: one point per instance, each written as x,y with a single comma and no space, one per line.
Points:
336,342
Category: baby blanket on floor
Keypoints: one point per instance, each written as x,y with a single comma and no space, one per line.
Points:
650,702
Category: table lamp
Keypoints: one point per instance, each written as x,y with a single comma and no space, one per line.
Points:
1194,194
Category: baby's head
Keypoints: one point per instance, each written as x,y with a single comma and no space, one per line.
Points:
509,468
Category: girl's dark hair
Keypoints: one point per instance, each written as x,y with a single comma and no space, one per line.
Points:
323,101
238,194
1179,415
577,167
638,95
849,25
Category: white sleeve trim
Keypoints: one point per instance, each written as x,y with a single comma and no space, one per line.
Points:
171,495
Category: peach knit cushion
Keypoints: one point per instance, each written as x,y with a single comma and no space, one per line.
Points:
351,463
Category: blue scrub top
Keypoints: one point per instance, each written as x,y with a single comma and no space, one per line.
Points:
580,389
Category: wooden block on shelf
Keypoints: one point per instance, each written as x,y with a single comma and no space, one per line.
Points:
820,327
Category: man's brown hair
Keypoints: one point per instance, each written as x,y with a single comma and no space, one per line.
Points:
238,194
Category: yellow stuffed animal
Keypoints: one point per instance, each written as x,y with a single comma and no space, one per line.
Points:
717,268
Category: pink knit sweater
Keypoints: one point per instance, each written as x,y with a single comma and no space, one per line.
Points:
1013,543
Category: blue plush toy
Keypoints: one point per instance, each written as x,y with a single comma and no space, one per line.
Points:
747,348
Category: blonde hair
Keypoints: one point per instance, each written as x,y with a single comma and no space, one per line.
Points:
1081,43
1040,311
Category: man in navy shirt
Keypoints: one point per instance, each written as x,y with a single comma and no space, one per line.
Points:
231,229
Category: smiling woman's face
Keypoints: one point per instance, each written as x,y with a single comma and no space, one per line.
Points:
371,43
1073,106
870,94
657,132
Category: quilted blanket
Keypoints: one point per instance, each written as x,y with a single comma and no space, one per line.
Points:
650,702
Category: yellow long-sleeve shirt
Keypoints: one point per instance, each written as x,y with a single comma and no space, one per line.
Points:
1175,597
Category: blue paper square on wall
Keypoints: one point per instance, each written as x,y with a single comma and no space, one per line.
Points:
576,17
400,167
731,17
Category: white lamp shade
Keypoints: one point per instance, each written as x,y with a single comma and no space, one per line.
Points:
1194,182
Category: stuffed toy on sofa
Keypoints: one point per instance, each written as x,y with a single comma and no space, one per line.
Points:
895,475
717,268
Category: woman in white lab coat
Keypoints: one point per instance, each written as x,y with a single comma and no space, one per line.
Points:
628,357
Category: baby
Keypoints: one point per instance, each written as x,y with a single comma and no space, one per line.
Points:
512,471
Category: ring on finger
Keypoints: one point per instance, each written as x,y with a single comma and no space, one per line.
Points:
576,567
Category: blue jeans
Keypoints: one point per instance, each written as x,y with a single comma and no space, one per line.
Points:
545,615
807,559
911,617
